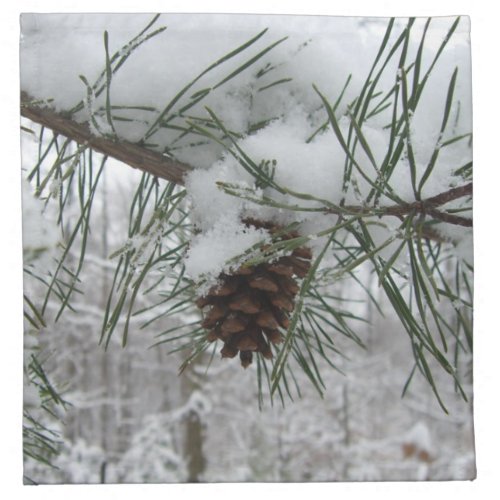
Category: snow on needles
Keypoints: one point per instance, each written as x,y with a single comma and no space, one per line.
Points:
270,108
211,251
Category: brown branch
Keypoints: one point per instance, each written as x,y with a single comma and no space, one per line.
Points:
427,206
161,166
452,194
134,155
450,218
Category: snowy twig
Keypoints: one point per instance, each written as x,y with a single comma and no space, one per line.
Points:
134,155
428,206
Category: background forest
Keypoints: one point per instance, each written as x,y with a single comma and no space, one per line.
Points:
130,412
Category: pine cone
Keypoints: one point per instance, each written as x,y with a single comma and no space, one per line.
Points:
247,308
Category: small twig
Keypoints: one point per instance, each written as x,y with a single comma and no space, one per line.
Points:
427,206
450,218
452,194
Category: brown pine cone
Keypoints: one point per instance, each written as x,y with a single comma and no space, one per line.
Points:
248,308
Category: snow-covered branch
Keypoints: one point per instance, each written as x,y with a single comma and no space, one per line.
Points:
134,155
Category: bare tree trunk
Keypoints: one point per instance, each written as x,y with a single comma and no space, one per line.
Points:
347,429
193,444
106,411
194,448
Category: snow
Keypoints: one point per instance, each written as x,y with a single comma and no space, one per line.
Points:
31,397
83,51
39,234
209,201
317,50
315,168
420,437
210,251
152,454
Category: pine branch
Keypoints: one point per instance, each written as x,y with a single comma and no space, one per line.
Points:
159,165
428,206
134,155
